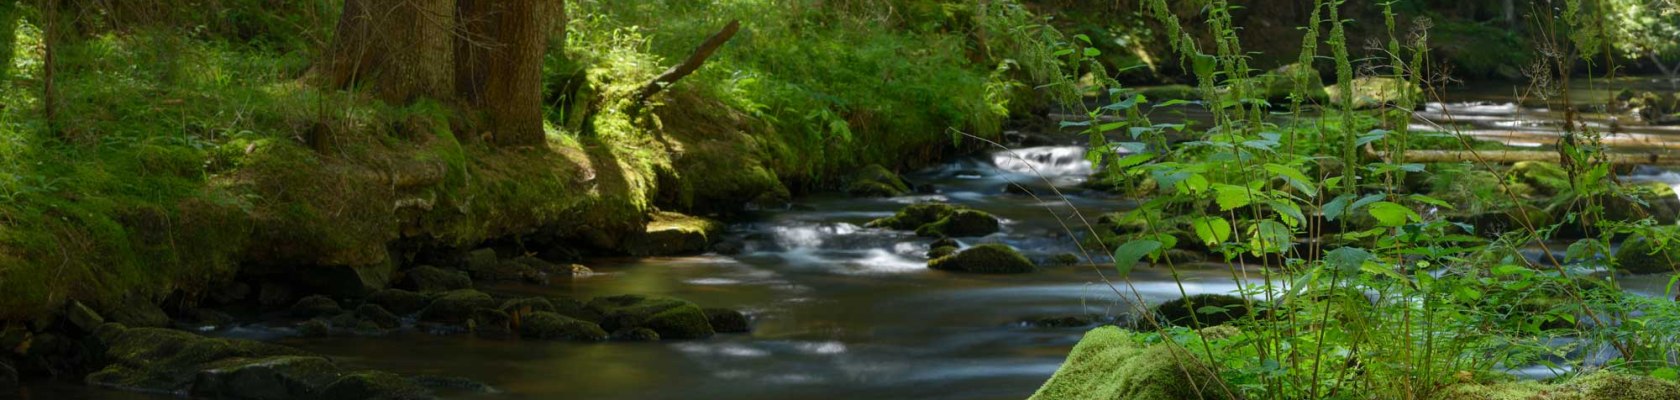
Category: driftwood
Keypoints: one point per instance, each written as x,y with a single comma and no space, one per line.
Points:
690,65
1515,156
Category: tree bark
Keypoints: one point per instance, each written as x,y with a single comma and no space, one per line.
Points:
693,63
499,71
401,50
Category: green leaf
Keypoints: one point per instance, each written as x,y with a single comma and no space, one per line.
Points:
1508,270
1393,215
1294,177
1347,259
1175,102
1372,136
1213,230
1291,212
1231,197
1431,201
1335,208
1364,201
1127,256
1270,237
1133,160
1092,52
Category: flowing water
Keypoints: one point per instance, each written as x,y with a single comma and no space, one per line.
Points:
844,311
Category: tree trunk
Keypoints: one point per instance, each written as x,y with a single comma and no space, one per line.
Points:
499,66
401,50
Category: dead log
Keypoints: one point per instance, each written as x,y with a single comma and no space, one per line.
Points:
687,67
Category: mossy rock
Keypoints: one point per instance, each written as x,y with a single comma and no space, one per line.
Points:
1202,310
543,325
1376,92
278,377
985,259
1514,219
374,385
877,181
725,320
574,308
1600,385
672,318
672,234
169,361
1159,94
527,305
1108,365
941,251
455,307
1659,203
1066,259
1640,255
940,220
491,324
378,316
636,335
314,306
429,279
397,301
961,223
1547,178
136,312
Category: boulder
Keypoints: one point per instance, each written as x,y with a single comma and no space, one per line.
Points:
428,279
1655,200
985,259
378,316
397,301
374,385
1600,385
877,181
574,308
482,260
1066,259
542,325
277,377
1107,364
672,234
169,361
672,318
938,252
314,306
1547,178
1642,255
491,324
725,320
456,306
137,312
1202,310
636,335
940,220
1377,91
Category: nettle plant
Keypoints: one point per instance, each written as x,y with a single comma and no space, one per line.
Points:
1354,286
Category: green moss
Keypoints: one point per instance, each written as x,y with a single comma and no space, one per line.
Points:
1377,91
940,220
674,234
1644,255
1600,385
544,325
672,318
456,306
1546,177
877,181
1107,364
985,259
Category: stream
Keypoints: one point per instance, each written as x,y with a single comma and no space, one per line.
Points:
844,311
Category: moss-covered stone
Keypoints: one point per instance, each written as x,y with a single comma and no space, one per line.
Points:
671,234
378,316
168,361
574,308
277,377
877,181
725,320
1377,91
456,306
941,251
491,324
527,305
542,325
672,318
961,223
1202,310
373,385
1600,385
985,259
1547,178
914,216
397,301
135,311
429,279
314,306
1642,255
1065,259
636,335
1108,365
1655,200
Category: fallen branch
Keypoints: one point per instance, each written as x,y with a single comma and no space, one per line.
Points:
1515,156
693,63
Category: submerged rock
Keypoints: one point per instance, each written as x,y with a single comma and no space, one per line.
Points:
397,301
877,181
672,318
544,325
940,220
672,234
455,307
428,279
1107,365
1601,385
491,324
725,320
985,259
278,377
1202,310
636,335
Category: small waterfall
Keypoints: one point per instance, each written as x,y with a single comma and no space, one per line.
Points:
1049,161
